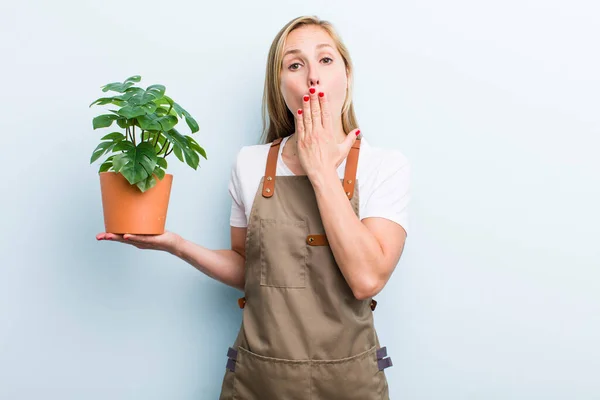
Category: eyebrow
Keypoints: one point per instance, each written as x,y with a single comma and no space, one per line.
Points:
296,51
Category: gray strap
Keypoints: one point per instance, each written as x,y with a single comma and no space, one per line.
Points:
232,353
231,364
382,352
384,363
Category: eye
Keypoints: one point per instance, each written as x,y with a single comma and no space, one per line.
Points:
324,58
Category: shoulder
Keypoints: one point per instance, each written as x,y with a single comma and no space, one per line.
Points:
250,153
378,163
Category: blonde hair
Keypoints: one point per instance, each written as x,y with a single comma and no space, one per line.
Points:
280,119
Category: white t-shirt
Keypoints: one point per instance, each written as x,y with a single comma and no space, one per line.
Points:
383,178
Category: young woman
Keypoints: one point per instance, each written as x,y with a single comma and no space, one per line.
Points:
318,224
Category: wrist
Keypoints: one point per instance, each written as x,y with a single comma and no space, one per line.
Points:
176,246
325,178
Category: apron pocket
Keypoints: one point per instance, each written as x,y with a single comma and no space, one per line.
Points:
354,378
283,253
265,378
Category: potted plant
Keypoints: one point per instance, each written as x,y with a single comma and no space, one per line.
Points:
135,187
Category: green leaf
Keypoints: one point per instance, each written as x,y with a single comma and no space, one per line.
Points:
125,145
161,111
178,154
137,163
109,100
117,87
191,122
180,111
152,122
103,121
99,151
132,91
159,172
122,122
181,145
104,147
143,98
164,100
135,78
147,183
106,165
162,162
195,146
116,136
157,90
136,111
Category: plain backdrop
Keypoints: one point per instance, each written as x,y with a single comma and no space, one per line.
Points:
495,103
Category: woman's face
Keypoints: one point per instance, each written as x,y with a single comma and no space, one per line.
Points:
314,61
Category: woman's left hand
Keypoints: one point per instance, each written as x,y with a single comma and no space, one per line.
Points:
318,149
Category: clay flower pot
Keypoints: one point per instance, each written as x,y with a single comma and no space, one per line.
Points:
128,210
135,187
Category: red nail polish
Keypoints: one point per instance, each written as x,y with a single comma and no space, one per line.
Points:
299,112
321,94
357,132
306,98
312,90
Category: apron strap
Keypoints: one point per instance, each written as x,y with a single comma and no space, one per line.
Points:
351,167
271,169
349,173
317,240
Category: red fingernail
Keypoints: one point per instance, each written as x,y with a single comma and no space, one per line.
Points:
357,132
299,112
306,98
312,90
321,94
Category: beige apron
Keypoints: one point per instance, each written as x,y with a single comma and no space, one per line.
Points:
303,334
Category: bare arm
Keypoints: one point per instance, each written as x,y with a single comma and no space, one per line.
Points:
368,251
226,266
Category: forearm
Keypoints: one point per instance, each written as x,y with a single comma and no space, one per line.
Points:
356,250
226,266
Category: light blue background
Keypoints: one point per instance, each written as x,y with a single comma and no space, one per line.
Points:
496,105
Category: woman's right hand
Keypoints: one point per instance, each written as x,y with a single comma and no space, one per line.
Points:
167,241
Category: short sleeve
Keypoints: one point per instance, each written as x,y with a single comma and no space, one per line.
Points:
390,194
238,213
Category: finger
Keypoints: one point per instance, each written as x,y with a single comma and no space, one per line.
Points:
307,117
350,139
112,236
325,113
141,239
316,110
299,121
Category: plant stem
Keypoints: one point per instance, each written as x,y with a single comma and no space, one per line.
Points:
169,152
157,136
166,143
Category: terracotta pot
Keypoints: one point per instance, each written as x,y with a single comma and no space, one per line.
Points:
128,210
